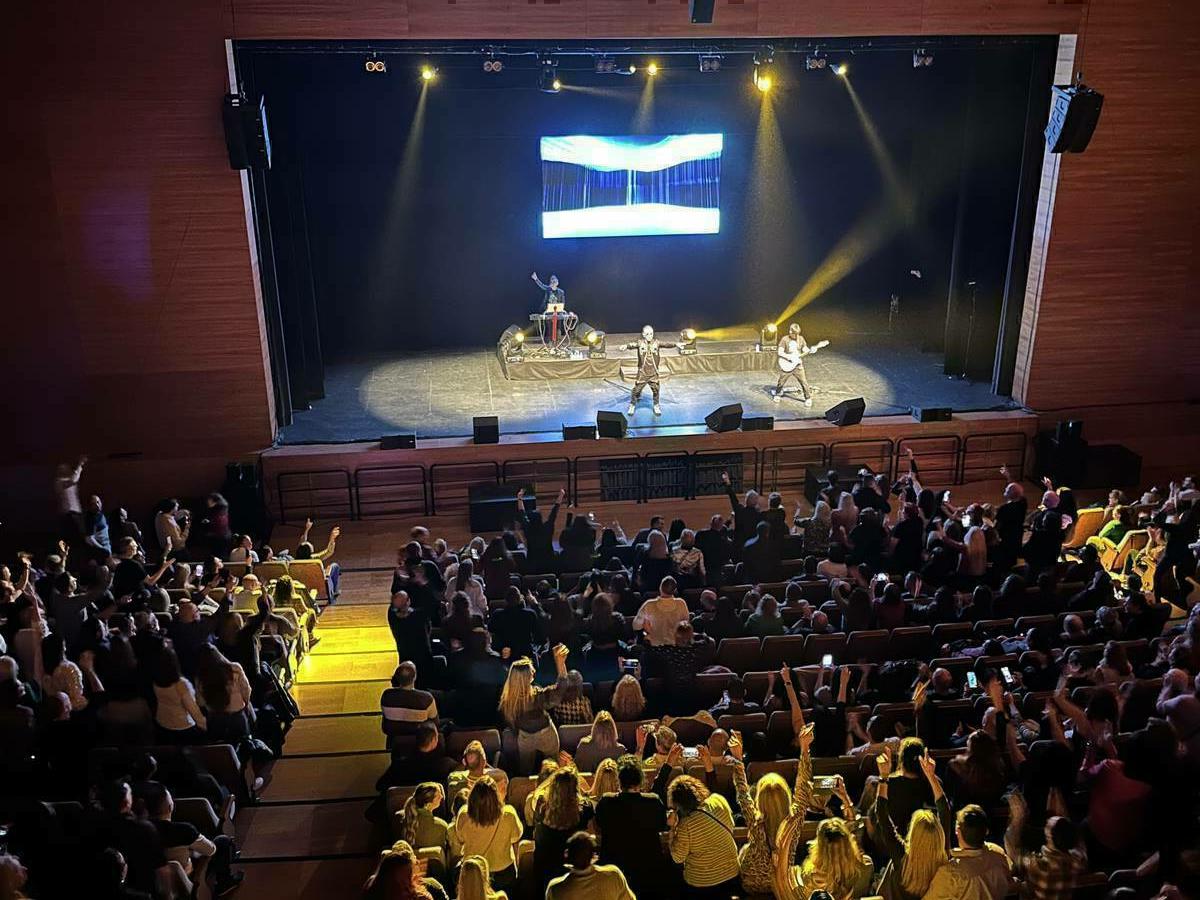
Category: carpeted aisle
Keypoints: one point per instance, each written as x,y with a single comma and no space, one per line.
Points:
309,837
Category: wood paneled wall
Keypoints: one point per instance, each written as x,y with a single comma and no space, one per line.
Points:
132,325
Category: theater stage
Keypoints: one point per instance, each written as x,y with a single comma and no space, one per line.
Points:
437,394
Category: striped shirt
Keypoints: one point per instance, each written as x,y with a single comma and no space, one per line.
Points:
409,707
703,842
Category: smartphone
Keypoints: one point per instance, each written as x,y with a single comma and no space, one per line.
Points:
691,752
824,785
827,661
972,681
629,667
1006,675
199,573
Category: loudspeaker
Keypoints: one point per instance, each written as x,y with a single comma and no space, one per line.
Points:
1074,113
725,418
758,423
398,442
1069,430
486,429
931,413
611,424
579,432
848,412
246,136
702,11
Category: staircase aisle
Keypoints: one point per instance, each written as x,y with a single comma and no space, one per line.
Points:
308,838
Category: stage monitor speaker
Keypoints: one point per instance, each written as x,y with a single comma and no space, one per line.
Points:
486,429
1069,430
579,432
702,11
246,136
758,423
725,418
398,442
1074,112
932,413
611,424
848,412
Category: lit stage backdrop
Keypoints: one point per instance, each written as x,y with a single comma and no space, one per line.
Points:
630,185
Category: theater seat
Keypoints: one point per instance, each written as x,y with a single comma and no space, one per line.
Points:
782,649
867,646
1087,525
818,645
911,642
457,740
739,654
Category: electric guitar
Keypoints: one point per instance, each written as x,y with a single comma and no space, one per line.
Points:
789,361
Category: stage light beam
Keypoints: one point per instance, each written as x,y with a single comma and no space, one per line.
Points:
428,73
841,70
652,69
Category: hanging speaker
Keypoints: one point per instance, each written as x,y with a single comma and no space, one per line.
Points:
725,418
1074,112
848,412
246,136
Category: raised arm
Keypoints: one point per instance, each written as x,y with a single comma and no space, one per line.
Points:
733,500
539,282
796,710
885,828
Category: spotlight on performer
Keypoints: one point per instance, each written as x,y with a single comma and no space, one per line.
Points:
687,342
769,335
841,70
428,73
597,344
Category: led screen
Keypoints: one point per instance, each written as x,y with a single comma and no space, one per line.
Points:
630,185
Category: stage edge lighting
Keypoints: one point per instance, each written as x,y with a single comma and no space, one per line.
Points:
597,344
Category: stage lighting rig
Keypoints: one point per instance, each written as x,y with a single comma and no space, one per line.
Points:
491,64
428,72
605,65
710,62
597,344
841,70
376,66
652,69
769,336
815,61
764,69
687,342
548,81
922,58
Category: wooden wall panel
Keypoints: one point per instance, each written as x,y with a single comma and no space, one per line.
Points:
133,323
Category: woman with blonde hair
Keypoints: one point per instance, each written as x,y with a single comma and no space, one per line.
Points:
815,528
628,701
606,779
915,858
603,743
701,838
289,596
564,810
525,709
418,825
486,826
474,881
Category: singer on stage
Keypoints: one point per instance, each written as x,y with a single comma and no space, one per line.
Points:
649,360
554,294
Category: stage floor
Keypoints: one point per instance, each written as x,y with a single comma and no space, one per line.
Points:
437,394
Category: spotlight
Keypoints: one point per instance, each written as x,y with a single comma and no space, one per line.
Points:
814,62
764,74
597,344
519,337
922,58
632,68
605,65
652,69
375,66
769,336
687,342
548,77
710,62
493,65
428,73
762,78
841,69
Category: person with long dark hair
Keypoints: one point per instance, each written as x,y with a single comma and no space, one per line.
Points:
177,715
225,692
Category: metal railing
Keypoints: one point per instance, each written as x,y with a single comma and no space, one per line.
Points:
391,491
318,494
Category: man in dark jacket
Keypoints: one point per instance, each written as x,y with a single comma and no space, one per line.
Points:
629,824
714,543
760,557
539,533
746,516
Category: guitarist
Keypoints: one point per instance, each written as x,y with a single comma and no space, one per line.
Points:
791,352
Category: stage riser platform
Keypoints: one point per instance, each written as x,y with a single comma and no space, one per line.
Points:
710,358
